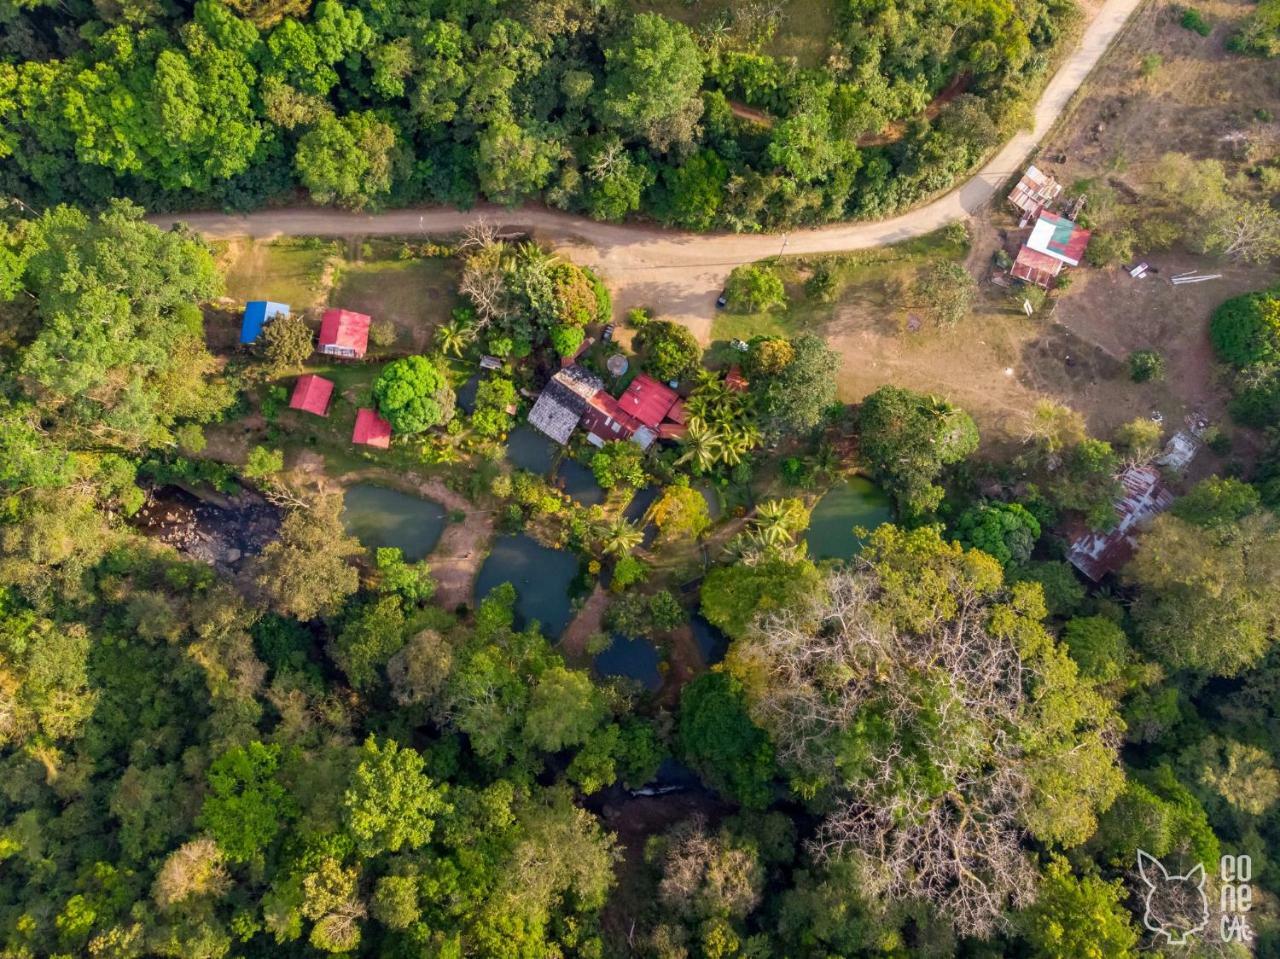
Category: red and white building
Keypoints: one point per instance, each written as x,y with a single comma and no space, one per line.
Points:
1054,242
344,333
646,410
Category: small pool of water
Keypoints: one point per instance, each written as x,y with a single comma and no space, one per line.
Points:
633,658
712,643
712,496
640,502
579,482
378,516
855,502
541,576
466,394
530,450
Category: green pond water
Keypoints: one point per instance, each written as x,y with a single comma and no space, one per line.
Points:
855,502
378,516
530,450
541,576
635,658
579,482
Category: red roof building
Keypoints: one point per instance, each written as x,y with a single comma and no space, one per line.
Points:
312,394
647,400
1037,268
371,430
344,333
1059,237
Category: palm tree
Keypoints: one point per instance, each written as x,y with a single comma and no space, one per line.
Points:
452,338
774,520
702,445
619,537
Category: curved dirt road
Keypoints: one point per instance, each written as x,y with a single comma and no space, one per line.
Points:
679,274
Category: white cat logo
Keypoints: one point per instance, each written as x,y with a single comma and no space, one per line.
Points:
1176,906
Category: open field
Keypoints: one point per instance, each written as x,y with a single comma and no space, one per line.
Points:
289,270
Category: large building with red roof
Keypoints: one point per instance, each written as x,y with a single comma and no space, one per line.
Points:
371,430
344,333
311,394
646,409
1054,242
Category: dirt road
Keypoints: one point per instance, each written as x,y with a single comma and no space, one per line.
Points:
679,274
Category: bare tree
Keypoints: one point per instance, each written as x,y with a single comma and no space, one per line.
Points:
917,736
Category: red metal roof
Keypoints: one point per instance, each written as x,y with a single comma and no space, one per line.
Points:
647,400
677,413
1060,237
606,419
312,394
371,429
345,330
1035,267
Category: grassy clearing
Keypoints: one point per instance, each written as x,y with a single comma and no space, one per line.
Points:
290,270
804,32
875,281
416,295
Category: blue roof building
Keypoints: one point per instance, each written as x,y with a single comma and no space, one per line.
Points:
257,314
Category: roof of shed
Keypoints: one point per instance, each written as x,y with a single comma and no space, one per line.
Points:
312,393
257,313
371,429
345,328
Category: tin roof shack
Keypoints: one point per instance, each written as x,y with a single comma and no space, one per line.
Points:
1037,268
344,333
312,394
1098,553
561,404
1035,191
1056,236
257,314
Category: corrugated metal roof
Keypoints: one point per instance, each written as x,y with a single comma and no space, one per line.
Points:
1145,496
647,400
1035,267
257,314
1059,237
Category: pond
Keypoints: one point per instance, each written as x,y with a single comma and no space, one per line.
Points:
579,482
712,643
712,496
378,516
633,658
530,450
855,502
641,502
466,394
541,576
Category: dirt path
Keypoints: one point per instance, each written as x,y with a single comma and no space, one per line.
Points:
680,274
457,558
590,619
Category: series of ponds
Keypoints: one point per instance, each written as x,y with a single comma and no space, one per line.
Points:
379,516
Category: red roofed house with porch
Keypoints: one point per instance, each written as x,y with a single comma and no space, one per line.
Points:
344,333
312,394
371,429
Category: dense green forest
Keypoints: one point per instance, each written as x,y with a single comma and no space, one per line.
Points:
589,105
947,746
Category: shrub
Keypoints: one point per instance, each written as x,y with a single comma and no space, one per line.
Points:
1146,366
1194,21
382,333
670,351
1151,64
1246,329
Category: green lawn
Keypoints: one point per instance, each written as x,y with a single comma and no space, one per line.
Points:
416,295
290,271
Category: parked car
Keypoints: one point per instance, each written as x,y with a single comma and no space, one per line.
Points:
722,300
607,334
